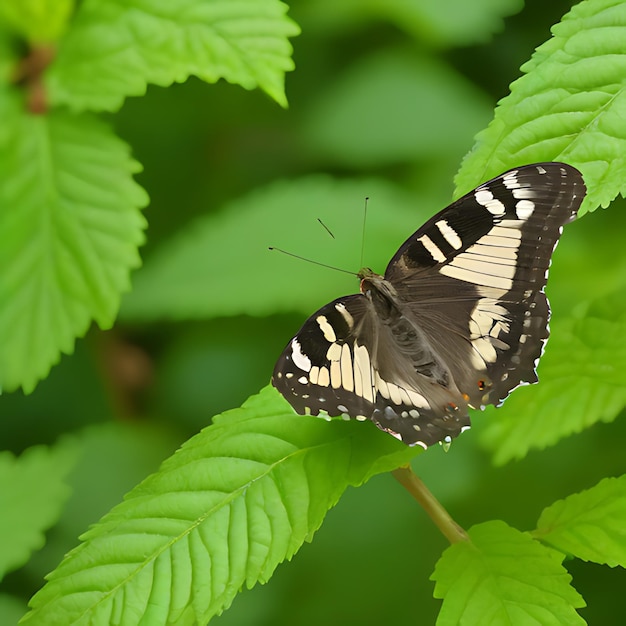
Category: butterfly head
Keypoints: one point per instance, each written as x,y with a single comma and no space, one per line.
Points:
381,293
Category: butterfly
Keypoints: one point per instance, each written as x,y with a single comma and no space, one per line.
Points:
459,319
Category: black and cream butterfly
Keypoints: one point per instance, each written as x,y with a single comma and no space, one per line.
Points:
458,320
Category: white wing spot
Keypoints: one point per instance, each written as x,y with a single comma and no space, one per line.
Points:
485,198
303,380
502,237
327,330
524,193
394,393
363,373
381,386
417,399
498,276
510,181
492,253
323,380
334,352
485,348
300,360
434,251
347,375
335,374
524,209
449,234
341,309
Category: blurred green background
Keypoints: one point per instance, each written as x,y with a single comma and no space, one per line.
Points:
385,91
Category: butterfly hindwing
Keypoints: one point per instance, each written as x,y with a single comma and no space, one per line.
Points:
459,318
343,362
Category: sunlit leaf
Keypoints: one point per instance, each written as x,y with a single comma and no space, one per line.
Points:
70,226
115,49
502,576
223,512
569,106
590,525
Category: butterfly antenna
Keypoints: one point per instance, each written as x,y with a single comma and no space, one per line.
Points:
363,231
296,256
326,228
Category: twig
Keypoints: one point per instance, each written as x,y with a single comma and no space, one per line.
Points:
413,484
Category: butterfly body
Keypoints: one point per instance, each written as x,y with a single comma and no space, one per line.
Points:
458,320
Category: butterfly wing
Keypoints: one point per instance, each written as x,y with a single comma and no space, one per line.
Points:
344,361
473,276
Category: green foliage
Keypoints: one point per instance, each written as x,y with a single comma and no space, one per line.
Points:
590,525
384,106
115,49
70,238
234,502
32,493
502,576
38,20
569,106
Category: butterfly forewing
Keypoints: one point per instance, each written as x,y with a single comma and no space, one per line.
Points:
460,317
484,260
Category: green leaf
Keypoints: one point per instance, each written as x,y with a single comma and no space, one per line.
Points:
32,492
435,114
224,511
569,106
581,382
115,48
69,232
590,525
221,265
502,576
38,21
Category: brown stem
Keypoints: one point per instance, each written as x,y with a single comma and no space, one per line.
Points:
413,484
29,73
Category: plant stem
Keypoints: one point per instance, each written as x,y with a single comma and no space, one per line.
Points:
414,485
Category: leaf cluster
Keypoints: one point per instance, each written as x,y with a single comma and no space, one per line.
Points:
384,104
